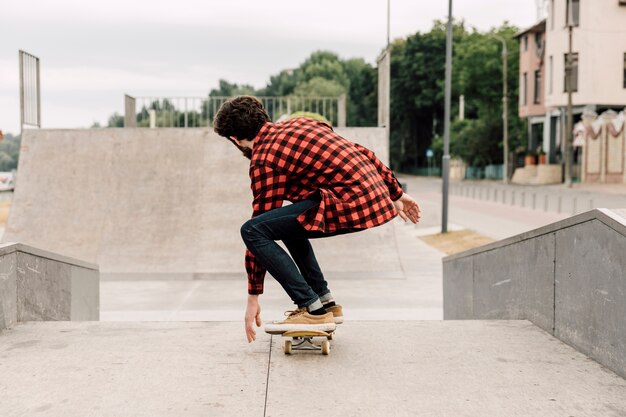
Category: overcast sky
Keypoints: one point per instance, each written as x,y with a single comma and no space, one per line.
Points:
93,52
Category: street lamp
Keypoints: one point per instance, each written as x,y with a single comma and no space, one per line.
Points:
505,110
569,69
445,163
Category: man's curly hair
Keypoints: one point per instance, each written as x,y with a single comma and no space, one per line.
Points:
241,117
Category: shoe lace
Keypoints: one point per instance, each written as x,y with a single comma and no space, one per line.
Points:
295,313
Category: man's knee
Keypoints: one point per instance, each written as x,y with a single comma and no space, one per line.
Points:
247,230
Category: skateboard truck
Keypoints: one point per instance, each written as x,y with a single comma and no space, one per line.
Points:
303,340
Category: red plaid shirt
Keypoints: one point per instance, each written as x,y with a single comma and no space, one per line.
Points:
302,157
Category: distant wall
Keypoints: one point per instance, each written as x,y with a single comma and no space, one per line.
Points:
147,202
569,278
40,286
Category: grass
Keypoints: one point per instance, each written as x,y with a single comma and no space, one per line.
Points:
5,207
455,242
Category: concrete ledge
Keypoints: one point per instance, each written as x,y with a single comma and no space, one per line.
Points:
37,285
10,247
568,278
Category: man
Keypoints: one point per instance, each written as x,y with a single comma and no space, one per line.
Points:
336,187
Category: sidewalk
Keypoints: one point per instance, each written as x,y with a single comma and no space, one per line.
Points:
489,218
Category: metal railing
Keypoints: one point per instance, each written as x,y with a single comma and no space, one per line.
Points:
547,198
189,112
30,90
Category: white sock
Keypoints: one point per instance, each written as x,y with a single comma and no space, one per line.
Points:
327,298
317,304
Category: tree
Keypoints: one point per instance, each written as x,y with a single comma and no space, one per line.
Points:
362,105
116,120
9,152
227,89
417,89
478,140
319,87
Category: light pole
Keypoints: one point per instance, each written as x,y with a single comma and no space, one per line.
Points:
505,110
388,23
445,164
569,69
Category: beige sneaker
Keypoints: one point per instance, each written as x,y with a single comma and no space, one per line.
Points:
302,320
337,313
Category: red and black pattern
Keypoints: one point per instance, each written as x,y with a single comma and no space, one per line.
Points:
302,157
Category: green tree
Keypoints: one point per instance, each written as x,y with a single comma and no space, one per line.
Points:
116,120
417,81
417,96
478,140
319,87
9,152
362,103
227,89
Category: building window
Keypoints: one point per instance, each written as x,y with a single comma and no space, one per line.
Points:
624,69
537,95
575,15
574,81
524,88
551,70
552,14
538,40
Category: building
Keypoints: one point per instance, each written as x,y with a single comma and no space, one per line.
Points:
531,88
599,72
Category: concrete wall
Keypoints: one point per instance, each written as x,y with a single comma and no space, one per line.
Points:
40,286
569,278
160,202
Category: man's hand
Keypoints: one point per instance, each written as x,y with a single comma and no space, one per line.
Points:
253,314
407,208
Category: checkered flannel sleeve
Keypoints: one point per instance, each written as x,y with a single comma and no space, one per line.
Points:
395,189
268,190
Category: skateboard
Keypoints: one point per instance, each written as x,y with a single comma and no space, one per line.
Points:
303,340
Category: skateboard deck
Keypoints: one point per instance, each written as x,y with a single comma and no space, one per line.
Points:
303,340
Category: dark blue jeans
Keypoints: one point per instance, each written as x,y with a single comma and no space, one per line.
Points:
301,277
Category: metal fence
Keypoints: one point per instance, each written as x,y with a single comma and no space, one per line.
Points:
188,112
30,90
543,198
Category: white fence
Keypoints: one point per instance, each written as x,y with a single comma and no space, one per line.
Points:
188,112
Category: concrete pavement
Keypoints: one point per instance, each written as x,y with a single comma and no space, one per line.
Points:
425,368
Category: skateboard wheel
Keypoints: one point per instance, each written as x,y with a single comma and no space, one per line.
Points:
325,347
331,336
287,347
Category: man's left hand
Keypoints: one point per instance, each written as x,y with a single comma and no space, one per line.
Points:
408,209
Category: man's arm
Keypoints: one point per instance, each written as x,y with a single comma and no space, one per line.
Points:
268,190
395,189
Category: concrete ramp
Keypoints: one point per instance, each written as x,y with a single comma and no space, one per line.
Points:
147,202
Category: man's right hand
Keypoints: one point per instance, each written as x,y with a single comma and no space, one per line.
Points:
253,314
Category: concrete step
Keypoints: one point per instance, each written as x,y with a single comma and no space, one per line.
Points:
426,368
